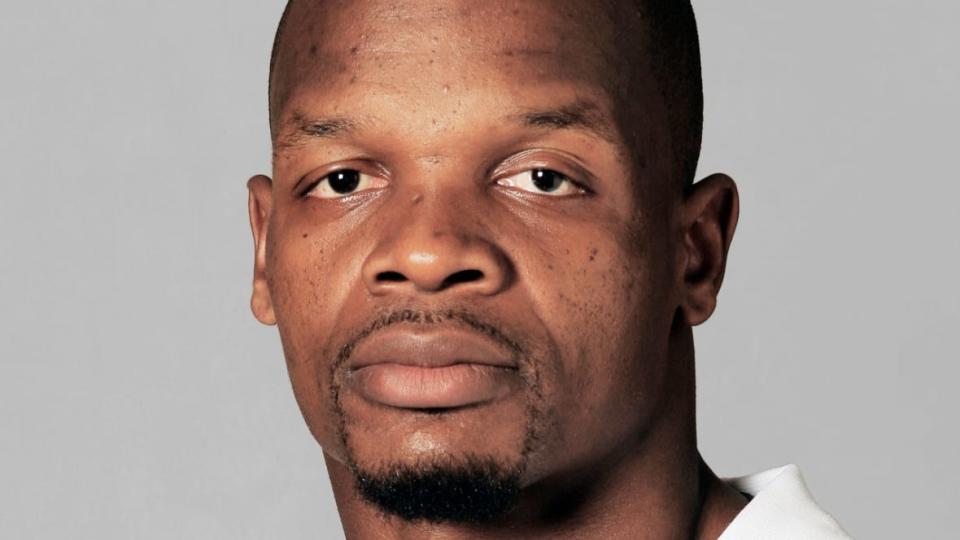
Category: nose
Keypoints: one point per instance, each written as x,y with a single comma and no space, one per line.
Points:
433,247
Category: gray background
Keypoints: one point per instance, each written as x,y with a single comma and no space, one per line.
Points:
140,398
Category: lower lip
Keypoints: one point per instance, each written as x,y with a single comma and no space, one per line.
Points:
415,387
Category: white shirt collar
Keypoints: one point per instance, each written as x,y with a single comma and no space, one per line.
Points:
782,508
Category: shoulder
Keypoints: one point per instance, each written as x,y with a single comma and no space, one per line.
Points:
781,508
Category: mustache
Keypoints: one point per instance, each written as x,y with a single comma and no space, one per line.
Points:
459,317
527,362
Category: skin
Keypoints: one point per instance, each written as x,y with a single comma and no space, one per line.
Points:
437,103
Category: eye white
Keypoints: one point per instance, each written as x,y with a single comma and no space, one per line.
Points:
344,182
541,181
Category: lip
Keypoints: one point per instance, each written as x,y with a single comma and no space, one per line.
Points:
436,369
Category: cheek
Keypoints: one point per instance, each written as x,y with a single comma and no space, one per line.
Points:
603,300
588,287
300,277
305,282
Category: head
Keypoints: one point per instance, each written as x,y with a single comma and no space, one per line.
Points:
508,182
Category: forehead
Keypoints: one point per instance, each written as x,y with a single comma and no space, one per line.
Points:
420,51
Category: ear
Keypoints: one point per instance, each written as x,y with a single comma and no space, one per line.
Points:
260,205
709,218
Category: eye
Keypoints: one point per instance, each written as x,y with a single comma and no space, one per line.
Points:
543,182
343,182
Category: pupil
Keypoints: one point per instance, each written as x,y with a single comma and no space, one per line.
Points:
344,181
546,179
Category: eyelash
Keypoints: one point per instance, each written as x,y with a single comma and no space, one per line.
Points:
313,185
507,171
580,188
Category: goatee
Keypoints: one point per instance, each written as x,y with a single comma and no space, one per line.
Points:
472,492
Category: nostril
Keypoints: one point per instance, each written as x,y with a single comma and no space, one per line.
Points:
390,276
463,276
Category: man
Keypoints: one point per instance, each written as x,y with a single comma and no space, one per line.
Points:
484,252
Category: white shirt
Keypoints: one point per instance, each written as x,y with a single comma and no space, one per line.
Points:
781,509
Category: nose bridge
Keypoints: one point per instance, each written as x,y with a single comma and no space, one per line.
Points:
434,240
441,214
432,229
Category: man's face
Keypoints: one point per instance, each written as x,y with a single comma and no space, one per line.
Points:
467,259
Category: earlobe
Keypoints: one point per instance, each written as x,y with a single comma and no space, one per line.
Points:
260,205
709,219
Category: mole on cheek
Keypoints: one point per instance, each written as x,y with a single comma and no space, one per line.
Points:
593,254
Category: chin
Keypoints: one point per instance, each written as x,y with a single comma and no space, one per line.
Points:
472,489
460,465
376,437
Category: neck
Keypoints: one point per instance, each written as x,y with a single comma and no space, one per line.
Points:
657,487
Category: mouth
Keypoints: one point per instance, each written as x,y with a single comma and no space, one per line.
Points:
431,371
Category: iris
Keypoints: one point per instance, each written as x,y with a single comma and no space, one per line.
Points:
344,181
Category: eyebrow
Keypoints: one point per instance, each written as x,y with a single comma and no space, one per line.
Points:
305,128
583,115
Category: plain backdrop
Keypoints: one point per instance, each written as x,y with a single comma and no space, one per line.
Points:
140,399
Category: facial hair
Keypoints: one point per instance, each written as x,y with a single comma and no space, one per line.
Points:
476,491
468,489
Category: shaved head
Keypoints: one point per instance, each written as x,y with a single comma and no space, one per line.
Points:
484,251
652,37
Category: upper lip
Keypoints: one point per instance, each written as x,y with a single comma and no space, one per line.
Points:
428,348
